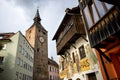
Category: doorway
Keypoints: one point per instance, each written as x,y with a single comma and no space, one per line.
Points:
92,76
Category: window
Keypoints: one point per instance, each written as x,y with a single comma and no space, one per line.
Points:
17,75
20,48
1,60
50,68
62,65
100,8
38,49
39,30
29,31
94,13
73,55
108,6
60,37
20,76
38,70
29,37
24,64
24,42
23,51
88,17
29,34
50,77
26,55
82,52
18,61
68,26
44,32
91,14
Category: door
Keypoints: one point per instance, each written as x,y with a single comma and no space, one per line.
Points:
92,76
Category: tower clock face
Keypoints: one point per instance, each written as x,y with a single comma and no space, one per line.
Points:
41,39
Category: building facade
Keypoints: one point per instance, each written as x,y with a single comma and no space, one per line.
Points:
37,37
102,22
77,60
53,69
16,59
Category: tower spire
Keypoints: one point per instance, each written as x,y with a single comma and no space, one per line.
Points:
37,17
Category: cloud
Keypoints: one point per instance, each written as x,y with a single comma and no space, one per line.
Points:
18,15
10,18
29,6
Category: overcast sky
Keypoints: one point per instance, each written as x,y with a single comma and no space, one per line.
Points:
17,15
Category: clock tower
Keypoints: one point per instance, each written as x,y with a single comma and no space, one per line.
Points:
37,37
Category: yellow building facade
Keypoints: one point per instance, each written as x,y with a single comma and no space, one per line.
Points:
79,62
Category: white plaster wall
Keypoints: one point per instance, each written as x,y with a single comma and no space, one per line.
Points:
83,75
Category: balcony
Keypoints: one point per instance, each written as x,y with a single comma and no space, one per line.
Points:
72,34
105,27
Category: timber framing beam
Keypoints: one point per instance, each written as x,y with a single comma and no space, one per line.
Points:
103,54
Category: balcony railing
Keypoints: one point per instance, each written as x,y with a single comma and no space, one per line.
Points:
106,27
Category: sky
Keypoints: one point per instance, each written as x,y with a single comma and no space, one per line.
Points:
17,15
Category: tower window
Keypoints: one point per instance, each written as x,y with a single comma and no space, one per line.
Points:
44,32
38,49
29,31
29,37
38,70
